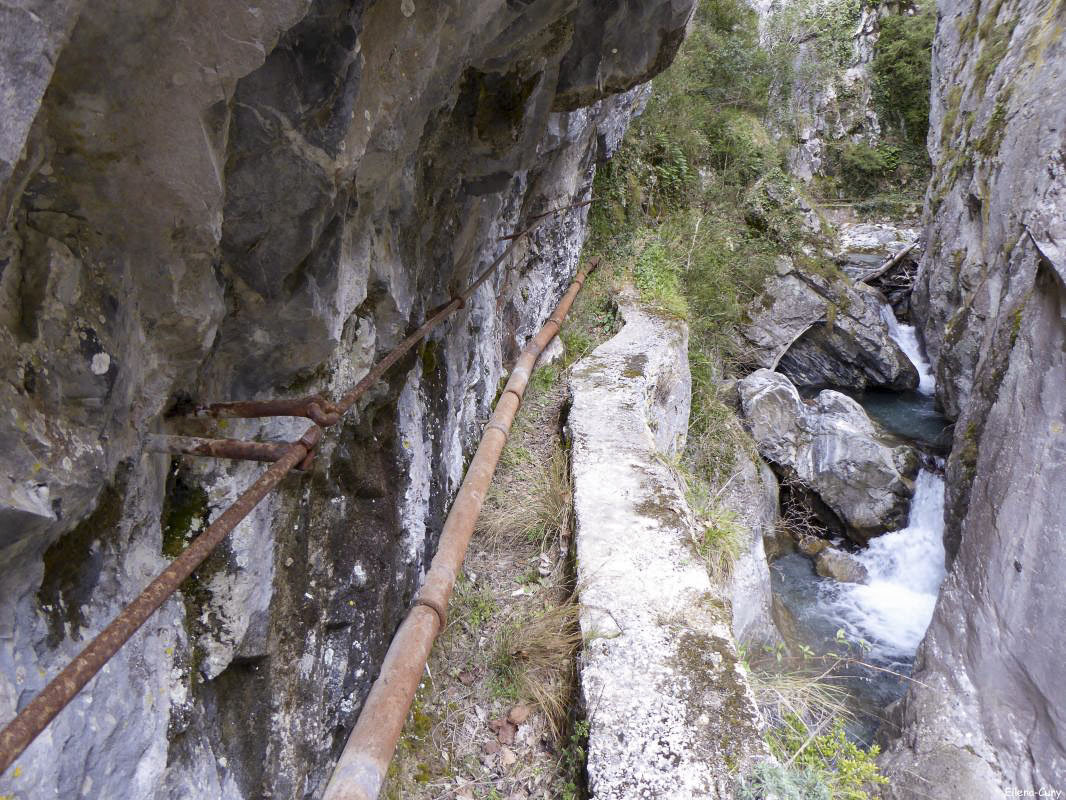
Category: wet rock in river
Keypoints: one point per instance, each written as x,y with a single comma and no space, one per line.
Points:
863,475
811,545
840,566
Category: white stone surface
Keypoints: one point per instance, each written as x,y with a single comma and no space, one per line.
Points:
668,705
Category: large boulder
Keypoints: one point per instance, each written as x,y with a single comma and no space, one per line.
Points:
863,475
821,330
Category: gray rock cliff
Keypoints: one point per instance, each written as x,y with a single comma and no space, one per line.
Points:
823,330
215,201
989,714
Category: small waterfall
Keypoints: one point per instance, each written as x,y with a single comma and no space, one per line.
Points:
906,336
906,567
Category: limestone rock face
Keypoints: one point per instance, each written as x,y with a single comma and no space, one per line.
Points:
670,711
824,102
211,201
986,713
752,494
862,475
822,331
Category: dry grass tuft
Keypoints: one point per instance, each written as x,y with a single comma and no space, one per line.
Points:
534,661
811,696
531,502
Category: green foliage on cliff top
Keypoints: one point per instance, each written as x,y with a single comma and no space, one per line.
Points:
696,206
902,70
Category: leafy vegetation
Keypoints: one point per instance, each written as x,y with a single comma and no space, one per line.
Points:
573,760
845,769
807,709
863,167
902,69
783,783
696,207
828,25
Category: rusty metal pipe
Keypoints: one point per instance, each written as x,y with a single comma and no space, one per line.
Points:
316,408
216,448
361,769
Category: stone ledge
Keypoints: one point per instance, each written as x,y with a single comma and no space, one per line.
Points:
670,711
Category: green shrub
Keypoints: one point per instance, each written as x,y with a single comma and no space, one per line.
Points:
861,167
740,147
848,771
902,70
769,780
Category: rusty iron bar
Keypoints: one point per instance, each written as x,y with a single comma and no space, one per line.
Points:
27,725
361,769
218,448
315,408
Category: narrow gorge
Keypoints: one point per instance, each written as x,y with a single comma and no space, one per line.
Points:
775,519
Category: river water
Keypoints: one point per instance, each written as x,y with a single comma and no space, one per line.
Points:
890,612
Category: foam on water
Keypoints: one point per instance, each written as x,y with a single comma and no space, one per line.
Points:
907,338
906,567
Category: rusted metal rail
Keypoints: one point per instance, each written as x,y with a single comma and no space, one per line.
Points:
57,694
217,448
365,760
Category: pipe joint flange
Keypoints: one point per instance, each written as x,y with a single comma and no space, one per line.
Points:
438,609
498,427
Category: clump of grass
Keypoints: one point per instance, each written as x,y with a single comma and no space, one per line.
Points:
719,537
536,506
804,693
721,543
472,605
533,660
658,278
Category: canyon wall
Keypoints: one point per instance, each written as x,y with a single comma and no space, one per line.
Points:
211,201
986,712
823,89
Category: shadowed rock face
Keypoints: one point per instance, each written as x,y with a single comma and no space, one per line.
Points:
987,713
823,331
863,476
216,200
